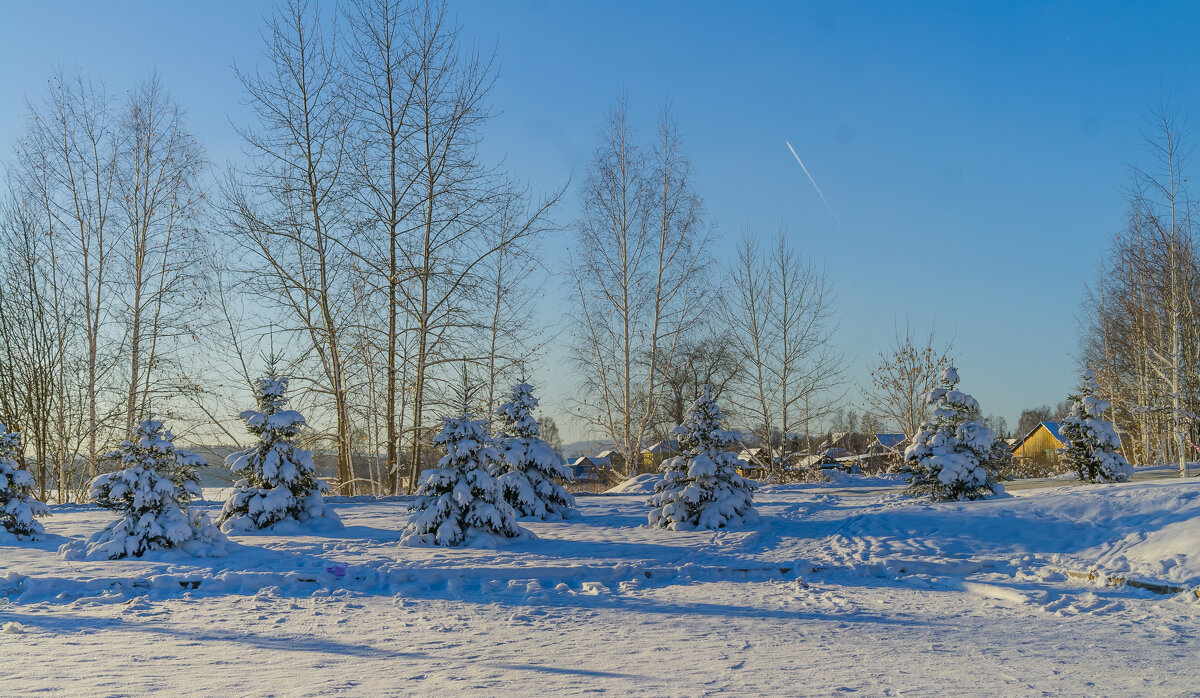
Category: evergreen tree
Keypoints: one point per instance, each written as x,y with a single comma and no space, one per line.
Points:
954,456
701,487
151,491
461,502
19,508
278,479
1092,442
528,464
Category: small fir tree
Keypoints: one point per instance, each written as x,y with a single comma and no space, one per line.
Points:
1092,442
701,488
460,502
19,508
528,465
954,456
151,491
278,478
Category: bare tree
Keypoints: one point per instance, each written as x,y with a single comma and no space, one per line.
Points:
902,376
551,434
380,82
705,357
68,166
456,207
1141,332
28,342
781,314
637,275
158,191
509,328
288,210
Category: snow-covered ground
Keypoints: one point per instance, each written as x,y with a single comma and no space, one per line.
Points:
840,587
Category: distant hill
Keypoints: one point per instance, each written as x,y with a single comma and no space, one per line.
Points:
586,447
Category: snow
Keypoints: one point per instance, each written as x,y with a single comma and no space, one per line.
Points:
278,485
837,588
152,493
638,484
19,508
530,472
701,487
954,457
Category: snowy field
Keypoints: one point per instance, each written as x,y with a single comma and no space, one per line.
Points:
841,588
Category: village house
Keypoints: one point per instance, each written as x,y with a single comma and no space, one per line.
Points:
653,457
1041,445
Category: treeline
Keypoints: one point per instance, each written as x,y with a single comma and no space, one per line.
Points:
365,247
365,244
361,239
1141,330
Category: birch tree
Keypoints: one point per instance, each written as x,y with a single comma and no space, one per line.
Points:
287,210
68,167
637,273
901,377
1141,332
382,53
158,194
456,201
782,318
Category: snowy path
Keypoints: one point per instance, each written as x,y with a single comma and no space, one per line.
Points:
834,591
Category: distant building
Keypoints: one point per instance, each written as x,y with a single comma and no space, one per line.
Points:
614,458
887,443
654,456
588,467
1043,443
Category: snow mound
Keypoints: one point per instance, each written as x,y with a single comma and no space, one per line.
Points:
638,484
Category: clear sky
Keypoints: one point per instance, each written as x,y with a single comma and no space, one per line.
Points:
975,153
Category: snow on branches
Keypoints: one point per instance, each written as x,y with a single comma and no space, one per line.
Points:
1092,442
528,465
151,491
19,509
460,502
701,488
954,456
279,480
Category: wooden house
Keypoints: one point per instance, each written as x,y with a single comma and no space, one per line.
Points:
749,468
614,458
654,456
886,444
757,457
588,467
1043,443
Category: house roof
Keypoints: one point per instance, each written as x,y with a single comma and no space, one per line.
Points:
890,440
595,461
668,446
1052,427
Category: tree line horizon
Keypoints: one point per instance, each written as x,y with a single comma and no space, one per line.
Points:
364,243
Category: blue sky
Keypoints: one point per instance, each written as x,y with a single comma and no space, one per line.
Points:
975,154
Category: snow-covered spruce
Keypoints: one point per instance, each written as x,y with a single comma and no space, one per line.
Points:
954,456
152,492
460,502
278,479
701,487
1092,442
19,509
528,465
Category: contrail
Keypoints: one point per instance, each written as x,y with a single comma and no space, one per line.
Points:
814,183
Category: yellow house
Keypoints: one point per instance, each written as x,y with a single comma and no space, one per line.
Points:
1042,443
654,456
